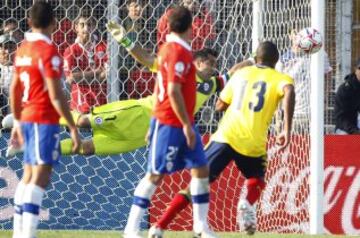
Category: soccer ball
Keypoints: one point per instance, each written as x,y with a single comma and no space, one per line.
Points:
309,40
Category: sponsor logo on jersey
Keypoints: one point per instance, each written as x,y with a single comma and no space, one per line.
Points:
98,120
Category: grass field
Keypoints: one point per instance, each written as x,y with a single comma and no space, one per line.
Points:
117,234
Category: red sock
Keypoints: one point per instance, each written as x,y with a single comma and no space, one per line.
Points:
179,202
254,188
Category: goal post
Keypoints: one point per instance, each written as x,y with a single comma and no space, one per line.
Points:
316,211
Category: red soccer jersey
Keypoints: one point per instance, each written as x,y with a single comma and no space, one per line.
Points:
175,65
36,59
84,95
202,29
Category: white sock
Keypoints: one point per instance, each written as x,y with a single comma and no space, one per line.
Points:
142,195
18,202
199,189
32,200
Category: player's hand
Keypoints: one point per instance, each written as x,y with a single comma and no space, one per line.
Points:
119,34
102,74
76,142
16,138
283,140
190,136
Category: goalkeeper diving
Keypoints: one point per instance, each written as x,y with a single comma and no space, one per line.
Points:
121,126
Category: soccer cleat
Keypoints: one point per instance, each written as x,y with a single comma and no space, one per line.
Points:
155,232
247,217
206,233
132,235
13,150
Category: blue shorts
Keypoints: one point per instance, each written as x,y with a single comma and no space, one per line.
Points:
220,155
41,143
168,151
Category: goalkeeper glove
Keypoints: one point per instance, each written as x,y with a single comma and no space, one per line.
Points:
119,34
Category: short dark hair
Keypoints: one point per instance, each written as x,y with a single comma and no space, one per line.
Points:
205,53
10,21
180,20
41,14
267,53
85,15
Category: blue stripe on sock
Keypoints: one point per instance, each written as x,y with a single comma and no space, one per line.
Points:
201,198
31,208
141,202
18,209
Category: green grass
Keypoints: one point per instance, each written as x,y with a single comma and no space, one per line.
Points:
117,234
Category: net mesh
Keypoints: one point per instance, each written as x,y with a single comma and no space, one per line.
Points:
95,192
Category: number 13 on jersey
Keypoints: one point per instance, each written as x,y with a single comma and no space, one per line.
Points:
255,91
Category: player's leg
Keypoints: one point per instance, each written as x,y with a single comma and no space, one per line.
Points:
146,187
142,197
18,201
199,187
253,170
41,152
219,155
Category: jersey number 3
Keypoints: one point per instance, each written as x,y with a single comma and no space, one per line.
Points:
260,88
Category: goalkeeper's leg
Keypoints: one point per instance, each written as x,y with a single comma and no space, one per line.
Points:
103,145
219,157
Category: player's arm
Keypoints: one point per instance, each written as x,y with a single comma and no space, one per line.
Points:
139,53
240,65
78,75
15,96
59,102
74,74
221,105
178,105
225,98
283,139
177,102
15,105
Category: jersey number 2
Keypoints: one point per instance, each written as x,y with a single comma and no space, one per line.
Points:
25,79
261,90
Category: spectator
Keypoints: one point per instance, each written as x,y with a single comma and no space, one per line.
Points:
202,27
7,50
85,64
297,65
347,104
11,27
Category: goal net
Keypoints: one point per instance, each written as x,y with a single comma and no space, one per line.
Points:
95,192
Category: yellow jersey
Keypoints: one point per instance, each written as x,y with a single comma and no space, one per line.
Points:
204,88
253,94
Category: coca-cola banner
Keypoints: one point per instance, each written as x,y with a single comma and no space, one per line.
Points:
342,184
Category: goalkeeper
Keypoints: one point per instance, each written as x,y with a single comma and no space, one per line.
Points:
121,126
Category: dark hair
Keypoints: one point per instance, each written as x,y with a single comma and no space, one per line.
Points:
180,20
41,14
205,53
10,21
267,53
85,15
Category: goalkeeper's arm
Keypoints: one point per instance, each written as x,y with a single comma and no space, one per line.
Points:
140,54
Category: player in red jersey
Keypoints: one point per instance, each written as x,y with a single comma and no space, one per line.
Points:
175,143
85,67
37,101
